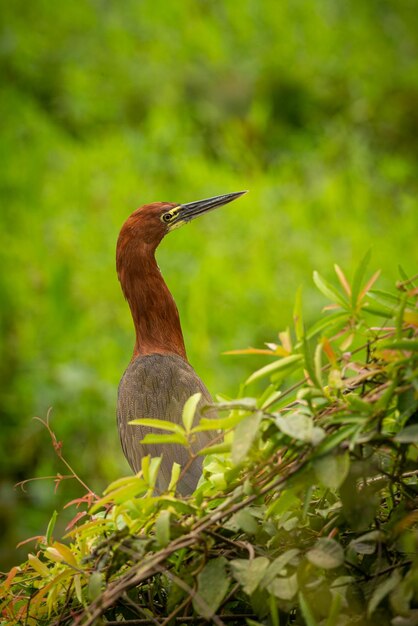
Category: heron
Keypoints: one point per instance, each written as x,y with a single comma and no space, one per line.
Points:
159,378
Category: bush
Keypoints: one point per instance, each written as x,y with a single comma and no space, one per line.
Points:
307,509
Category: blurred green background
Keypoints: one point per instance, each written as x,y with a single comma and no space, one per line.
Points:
312,106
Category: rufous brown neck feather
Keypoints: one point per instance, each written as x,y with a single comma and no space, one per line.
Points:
154,312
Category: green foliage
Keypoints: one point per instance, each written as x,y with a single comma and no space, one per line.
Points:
107,105
308,517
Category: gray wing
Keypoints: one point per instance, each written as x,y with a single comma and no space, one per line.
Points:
157,386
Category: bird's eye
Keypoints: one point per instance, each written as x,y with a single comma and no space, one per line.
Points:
167,217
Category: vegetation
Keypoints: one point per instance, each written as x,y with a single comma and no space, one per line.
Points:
307,509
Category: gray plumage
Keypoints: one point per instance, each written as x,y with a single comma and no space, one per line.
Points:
157,386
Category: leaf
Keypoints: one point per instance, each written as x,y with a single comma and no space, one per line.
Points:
223,423
408,434
328,349
189,410
77,588
306,611
318,364
403,344
383,590
276,366
95,586
154,467
134,488
154,423
249,573
343,280
328,322
369,285
309,363
244,404
162,528
334,440
212,586
332,470
174,438
243,520
278,565
366,544
60,552
300,427
51,526
284,502
326,553
38,566
286,340
219,448
278,350
244,436
329,290
358,278
175,475
284,588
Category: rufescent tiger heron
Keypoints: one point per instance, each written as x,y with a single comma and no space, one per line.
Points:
159,378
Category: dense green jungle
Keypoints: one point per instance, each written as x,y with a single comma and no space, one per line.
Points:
311,106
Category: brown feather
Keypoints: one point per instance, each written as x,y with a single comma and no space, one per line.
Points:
157,386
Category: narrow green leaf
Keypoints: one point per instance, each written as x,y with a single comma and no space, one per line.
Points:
402,344
189,410
329,321
220,448
161,424
175,475
334,440
154,467
244,404
329,290
318,364
358,278
145,462
383,590
162,528
269,369
95,585
244,436
306,611
223,423
309,363
334,612
402,273
326,553
384,297
51,526
212,586
174,438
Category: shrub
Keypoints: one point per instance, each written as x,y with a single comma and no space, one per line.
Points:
307,509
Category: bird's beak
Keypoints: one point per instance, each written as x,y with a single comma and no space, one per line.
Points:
184,213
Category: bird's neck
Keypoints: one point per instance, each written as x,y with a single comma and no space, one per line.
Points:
154,312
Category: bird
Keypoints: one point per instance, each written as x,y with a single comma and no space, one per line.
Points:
159,378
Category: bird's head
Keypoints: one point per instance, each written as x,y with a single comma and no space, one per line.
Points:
150,223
